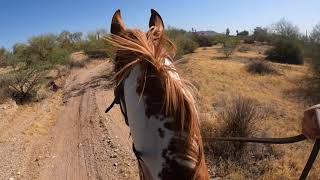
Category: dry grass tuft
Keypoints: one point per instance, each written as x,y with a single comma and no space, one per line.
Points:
237,120
261,67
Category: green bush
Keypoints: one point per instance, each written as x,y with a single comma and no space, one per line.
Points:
243,33
202,40
23,83
316,58
249,40
229,46
96,47
284,28
185,45
286,51
4,61
183,40
261,35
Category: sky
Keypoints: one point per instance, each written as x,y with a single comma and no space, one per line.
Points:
21,19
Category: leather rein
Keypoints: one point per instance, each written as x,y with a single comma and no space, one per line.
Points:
119,94
286,140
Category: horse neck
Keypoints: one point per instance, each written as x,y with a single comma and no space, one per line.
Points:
154,134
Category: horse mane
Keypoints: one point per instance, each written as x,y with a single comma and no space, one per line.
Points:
153,47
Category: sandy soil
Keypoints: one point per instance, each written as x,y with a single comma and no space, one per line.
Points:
68,135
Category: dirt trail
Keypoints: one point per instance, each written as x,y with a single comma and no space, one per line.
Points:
88,144
80,142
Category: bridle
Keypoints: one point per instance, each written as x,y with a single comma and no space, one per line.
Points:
119,99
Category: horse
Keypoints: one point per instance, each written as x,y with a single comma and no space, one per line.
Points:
158,105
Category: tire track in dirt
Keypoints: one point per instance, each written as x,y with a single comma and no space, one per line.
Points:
86,143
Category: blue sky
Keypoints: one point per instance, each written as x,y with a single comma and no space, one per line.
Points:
20,19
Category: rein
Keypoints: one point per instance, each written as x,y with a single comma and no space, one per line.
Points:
286,140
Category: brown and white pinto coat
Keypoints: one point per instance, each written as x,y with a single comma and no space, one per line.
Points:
158,106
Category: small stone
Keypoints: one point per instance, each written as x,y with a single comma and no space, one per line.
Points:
11,178
18,173
113,156
115,164
125,175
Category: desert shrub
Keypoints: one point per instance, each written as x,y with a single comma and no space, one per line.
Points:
260,67
59,55
4,61
70,41
202,40
96,47
315,34
286,29
243,33
185,45
183,40
219,39
239,117
244,48
261,34
23,83
229,47
249,40
313,48
286,51
316,61
40,47
237,120
7,58
43,49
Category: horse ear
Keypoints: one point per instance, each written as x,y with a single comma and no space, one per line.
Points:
117,25
156,20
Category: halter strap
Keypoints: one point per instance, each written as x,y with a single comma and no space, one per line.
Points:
118,97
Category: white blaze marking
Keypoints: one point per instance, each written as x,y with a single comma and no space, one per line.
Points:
144,130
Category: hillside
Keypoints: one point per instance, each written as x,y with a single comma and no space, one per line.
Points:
278,97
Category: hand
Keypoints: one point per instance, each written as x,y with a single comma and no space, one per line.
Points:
311,122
